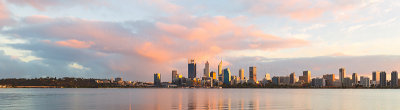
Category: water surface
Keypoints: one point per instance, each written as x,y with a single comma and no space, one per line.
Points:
162,99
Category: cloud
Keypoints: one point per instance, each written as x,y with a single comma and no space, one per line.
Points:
137,46
75,43
5,15
302,10
77,66
43,5
161,41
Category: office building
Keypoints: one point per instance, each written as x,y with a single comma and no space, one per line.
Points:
342,74
329,79
354,77
276,80
364,81
220,75
157,79
394,82
213,75
347,82
375,77
292,78
191,69
382,82
318,82
241,74
306,78
267,76
174,76
253,73
207,70
284,80
227,76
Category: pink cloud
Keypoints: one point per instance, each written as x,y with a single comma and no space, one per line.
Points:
166,40
37,19
75,43
5,15
158,44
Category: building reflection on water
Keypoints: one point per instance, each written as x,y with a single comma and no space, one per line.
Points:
184,99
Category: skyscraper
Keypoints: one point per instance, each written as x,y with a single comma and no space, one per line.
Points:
306,78
191,69
292,78
354,77
213,75
227,76
375,78
207,70
253,73
330,79
220,75
241,74
394,82
382,79
157,79
342,74
174,76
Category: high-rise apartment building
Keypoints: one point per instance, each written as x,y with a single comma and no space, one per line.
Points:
342,74
394,82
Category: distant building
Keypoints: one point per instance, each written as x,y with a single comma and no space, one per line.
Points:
253,73
354,77
292,78
306,78
191,69
213,75
329,79
276,80
342,74
375,78
227,76
118,79
382,79
220,75
284,80
347,82
364,81
157,79
206,70
267,76
241,74
175,76
394,82
318,82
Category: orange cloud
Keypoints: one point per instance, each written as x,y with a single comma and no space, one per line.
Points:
169,40
75,43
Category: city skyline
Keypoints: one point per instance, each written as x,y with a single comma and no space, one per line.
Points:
135,38
306,74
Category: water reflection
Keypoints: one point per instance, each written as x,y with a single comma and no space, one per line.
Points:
183,99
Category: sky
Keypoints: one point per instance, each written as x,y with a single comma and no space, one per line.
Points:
134,39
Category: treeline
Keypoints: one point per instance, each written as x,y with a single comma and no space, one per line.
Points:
65,82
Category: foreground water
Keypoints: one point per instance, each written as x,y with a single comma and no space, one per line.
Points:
161,99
